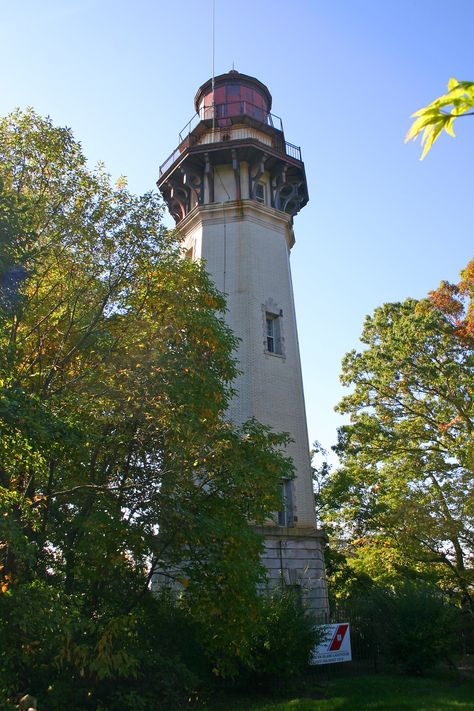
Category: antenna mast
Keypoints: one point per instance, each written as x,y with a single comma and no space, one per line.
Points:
213,53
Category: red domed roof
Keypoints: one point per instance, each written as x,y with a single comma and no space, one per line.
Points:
234,78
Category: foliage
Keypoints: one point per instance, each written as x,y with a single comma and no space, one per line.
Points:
284,638
172,667
441,114
403,497
422,629
343,580
115,373
456,303
411,624
348,577
32,619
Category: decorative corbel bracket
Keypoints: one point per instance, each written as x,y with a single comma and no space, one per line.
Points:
255,177
290,196
277,182
209,172
193,182
178,201
236,169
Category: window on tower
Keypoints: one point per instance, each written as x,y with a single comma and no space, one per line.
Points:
221,110
273,333
285,516
233,91
270,333
260,193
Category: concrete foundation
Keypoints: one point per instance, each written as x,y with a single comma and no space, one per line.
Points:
295,558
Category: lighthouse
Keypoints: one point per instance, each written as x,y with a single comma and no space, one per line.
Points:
234,185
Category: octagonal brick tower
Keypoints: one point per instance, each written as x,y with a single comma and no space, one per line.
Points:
233,186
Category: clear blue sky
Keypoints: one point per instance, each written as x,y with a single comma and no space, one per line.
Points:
345,76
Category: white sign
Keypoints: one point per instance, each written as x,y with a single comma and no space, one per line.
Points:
336,645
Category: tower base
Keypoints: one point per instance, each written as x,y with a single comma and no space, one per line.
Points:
294,557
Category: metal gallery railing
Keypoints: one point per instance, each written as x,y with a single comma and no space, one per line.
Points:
226,130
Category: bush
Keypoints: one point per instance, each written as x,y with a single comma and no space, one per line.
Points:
416,626
284,638
175,666
170,661
32,618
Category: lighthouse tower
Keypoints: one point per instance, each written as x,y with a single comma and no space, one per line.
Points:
233,186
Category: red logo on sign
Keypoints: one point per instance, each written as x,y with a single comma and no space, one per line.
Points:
337,640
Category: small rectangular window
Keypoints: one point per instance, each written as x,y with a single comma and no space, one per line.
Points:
273,333
270,328
233,90
285,516
260,192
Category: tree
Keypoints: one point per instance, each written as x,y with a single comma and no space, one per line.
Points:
116,370
404,494
456,303
441,114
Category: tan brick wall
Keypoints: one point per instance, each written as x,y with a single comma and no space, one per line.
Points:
246,249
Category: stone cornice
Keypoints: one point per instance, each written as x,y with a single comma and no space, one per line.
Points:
236,211
294,532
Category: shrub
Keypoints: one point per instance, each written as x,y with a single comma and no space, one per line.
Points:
284,637
416,626
170,660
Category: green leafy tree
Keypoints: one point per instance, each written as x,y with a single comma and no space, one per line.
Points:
116,370
441,114
403,497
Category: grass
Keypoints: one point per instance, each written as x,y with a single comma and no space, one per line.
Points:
367,693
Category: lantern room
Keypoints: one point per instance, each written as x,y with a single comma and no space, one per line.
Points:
234,95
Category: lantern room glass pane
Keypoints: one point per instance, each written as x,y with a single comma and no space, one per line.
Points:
235,99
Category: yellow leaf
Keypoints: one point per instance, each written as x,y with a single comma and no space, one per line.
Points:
449,127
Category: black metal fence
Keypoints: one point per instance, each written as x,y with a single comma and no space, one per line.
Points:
368,649
365,645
